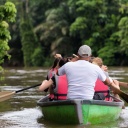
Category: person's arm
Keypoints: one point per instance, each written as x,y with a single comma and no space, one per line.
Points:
123,84
106,80
46,88
112,85
45,84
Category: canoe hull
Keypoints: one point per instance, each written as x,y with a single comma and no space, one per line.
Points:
81,111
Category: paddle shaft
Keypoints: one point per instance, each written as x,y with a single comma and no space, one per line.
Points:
27,88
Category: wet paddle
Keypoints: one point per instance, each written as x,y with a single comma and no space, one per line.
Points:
5,95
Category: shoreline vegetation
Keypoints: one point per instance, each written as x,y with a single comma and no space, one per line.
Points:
44,28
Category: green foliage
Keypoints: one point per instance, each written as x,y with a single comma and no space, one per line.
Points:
100,28
48,62
7,14
78,25
123,37
3,50
29,42
4,33
38,57
55,31
61,26
92,22
107,53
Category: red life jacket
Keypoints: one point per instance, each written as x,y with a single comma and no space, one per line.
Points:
60,91
100,87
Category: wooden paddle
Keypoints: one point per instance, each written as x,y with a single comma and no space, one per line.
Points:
5,95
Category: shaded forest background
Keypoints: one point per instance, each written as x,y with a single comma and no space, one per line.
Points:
45,27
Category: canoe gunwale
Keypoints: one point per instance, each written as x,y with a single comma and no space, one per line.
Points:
42,103
104,103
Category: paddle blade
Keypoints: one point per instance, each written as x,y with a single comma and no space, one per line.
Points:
124,96
5,95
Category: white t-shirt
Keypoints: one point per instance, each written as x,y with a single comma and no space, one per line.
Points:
81,76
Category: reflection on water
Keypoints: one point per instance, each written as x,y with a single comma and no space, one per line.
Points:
21,110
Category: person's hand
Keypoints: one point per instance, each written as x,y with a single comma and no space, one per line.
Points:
58,56
75,58
116,82
105,68
75,55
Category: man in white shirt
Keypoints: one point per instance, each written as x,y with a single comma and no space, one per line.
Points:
82,75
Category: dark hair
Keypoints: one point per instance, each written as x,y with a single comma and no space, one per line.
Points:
63,61
55,62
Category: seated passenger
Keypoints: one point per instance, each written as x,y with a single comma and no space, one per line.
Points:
58,84
100,86
51,73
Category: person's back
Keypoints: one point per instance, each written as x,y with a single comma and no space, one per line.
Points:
81,76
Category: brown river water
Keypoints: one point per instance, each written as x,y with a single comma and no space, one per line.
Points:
21,110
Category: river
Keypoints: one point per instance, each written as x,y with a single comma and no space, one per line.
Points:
21,110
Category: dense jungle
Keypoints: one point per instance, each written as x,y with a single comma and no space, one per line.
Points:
32,31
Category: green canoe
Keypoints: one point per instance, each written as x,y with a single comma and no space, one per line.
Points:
80,111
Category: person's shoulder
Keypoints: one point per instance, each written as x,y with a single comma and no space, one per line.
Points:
69,63
96,67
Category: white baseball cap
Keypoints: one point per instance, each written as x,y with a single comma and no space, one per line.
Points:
84,51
